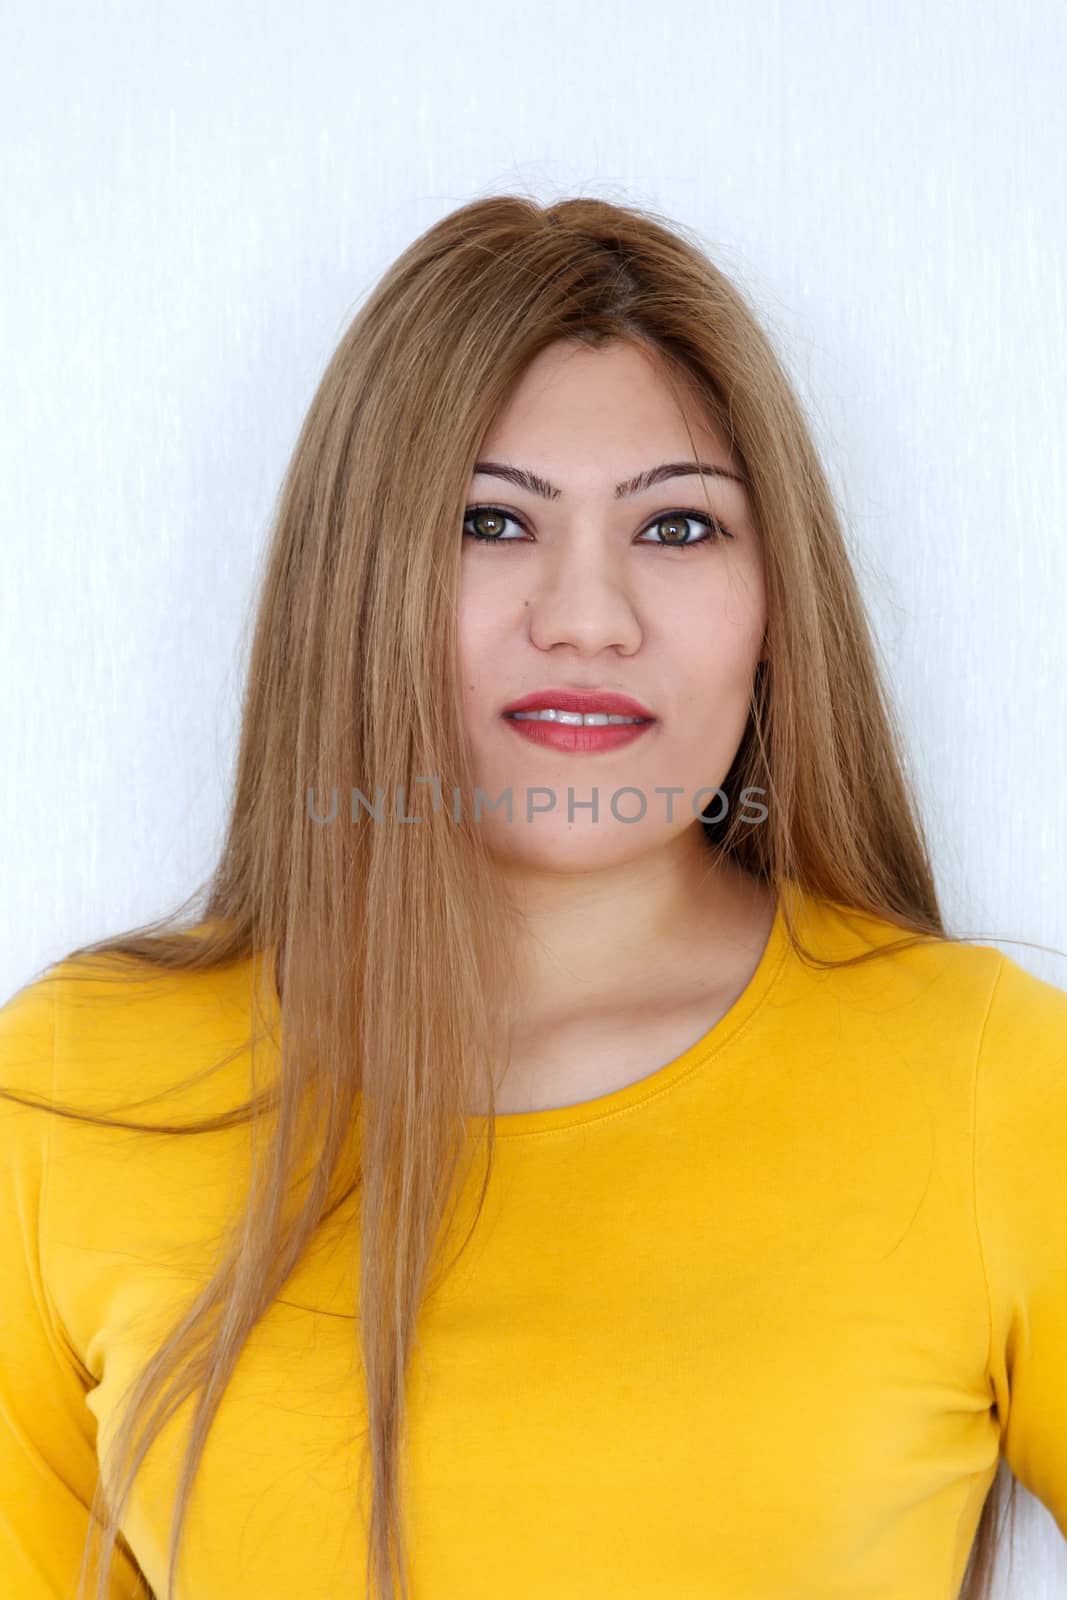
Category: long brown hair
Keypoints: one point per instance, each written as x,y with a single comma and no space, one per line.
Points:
386,941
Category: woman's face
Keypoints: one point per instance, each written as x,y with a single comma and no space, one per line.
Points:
586,588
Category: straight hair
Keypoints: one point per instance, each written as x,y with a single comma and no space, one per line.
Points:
390,947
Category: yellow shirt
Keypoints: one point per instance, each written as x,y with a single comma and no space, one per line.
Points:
752,1328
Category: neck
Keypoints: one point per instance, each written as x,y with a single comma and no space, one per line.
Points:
633,928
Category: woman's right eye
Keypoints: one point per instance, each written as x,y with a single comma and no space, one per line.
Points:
489,515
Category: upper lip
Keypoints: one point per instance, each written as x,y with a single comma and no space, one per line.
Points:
585,701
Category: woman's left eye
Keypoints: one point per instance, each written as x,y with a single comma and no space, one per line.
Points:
676,519
679,539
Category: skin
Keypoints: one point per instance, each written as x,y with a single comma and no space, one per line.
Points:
634,939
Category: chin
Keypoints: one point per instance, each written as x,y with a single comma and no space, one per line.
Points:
545,845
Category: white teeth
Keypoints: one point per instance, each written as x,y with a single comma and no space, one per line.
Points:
595,719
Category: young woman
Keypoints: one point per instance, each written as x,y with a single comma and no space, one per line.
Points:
579,1160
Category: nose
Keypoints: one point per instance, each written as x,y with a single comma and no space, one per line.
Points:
581,597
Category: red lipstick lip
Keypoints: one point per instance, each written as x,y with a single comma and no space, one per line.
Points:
587,704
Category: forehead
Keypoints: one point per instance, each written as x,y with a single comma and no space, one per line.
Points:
618,398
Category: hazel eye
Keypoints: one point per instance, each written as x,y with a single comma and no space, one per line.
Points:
714,531
488,514
494,521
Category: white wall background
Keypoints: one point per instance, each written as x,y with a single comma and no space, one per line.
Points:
197,197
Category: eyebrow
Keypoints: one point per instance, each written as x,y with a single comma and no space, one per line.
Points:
523,478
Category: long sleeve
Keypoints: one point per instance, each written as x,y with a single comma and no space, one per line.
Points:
1021,1207
47,1433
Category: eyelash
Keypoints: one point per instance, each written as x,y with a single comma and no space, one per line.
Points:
716,530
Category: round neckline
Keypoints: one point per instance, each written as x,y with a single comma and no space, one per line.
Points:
554,1119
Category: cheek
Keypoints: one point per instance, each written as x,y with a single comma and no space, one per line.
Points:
467,623
478,653
716,645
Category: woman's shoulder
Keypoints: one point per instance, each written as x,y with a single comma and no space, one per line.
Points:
89,1031
962,978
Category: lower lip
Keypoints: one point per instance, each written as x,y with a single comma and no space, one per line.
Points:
579,739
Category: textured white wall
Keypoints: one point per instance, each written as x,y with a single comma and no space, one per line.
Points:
197,197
